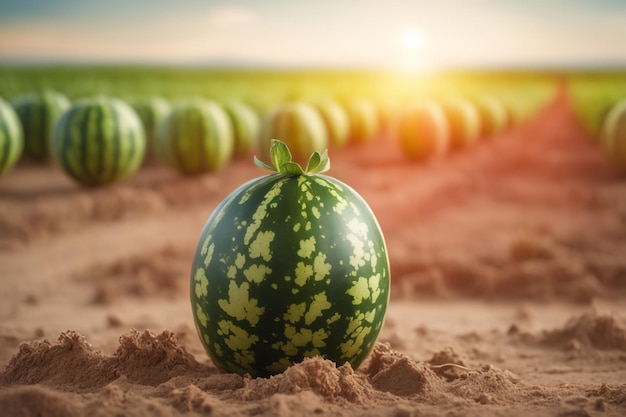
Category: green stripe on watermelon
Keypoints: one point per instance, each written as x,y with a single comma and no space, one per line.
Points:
38,112
11,137
288,266
99,141
114,145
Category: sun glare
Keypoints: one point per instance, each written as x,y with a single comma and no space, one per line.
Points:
410,56
412,40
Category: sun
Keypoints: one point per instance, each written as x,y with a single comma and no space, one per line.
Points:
410,56
412,40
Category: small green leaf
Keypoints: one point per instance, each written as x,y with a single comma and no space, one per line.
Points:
314,161
279,152
318,163
291,168
262,164
282,160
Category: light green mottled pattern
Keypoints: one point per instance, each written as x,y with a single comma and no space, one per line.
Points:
239,305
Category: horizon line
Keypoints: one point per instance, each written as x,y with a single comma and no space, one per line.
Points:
236,64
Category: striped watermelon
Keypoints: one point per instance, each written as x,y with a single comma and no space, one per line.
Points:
11,137
493,115
290,265
98,141
246,124
464,121
299,125
613,135
196,137
151,111
364,120
38,112
423,131
336,121
518,109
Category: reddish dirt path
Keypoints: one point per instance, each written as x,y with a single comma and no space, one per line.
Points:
541,187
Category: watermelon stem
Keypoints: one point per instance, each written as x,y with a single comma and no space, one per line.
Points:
283,163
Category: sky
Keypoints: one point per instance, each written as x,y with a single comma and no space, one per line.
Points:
408,35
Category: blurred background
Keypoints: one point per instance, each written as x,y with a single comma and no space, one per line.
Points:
265,54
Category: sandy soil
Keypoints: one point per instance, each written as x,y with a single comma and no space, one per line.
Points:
508,297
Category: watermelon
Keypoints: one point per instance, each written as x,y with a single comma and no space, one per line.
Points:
289,265
246,125
11,137
423,131
613,134
464,121
518,109
98,141
151,111
364,120
38,112
335,119
591,108
196,137
297,124
493,115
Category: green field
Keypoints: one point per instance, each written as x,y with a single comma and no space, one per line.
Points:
265,88
593,93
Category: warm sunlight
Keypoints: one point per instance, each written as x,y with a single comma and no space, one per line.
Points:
411,57
412,40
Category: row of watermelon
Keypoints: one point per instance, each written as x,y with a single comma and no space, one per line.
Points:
95,141
431,128
101,140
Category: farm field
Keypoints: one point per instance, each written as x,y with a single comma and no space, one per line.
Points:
508,271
